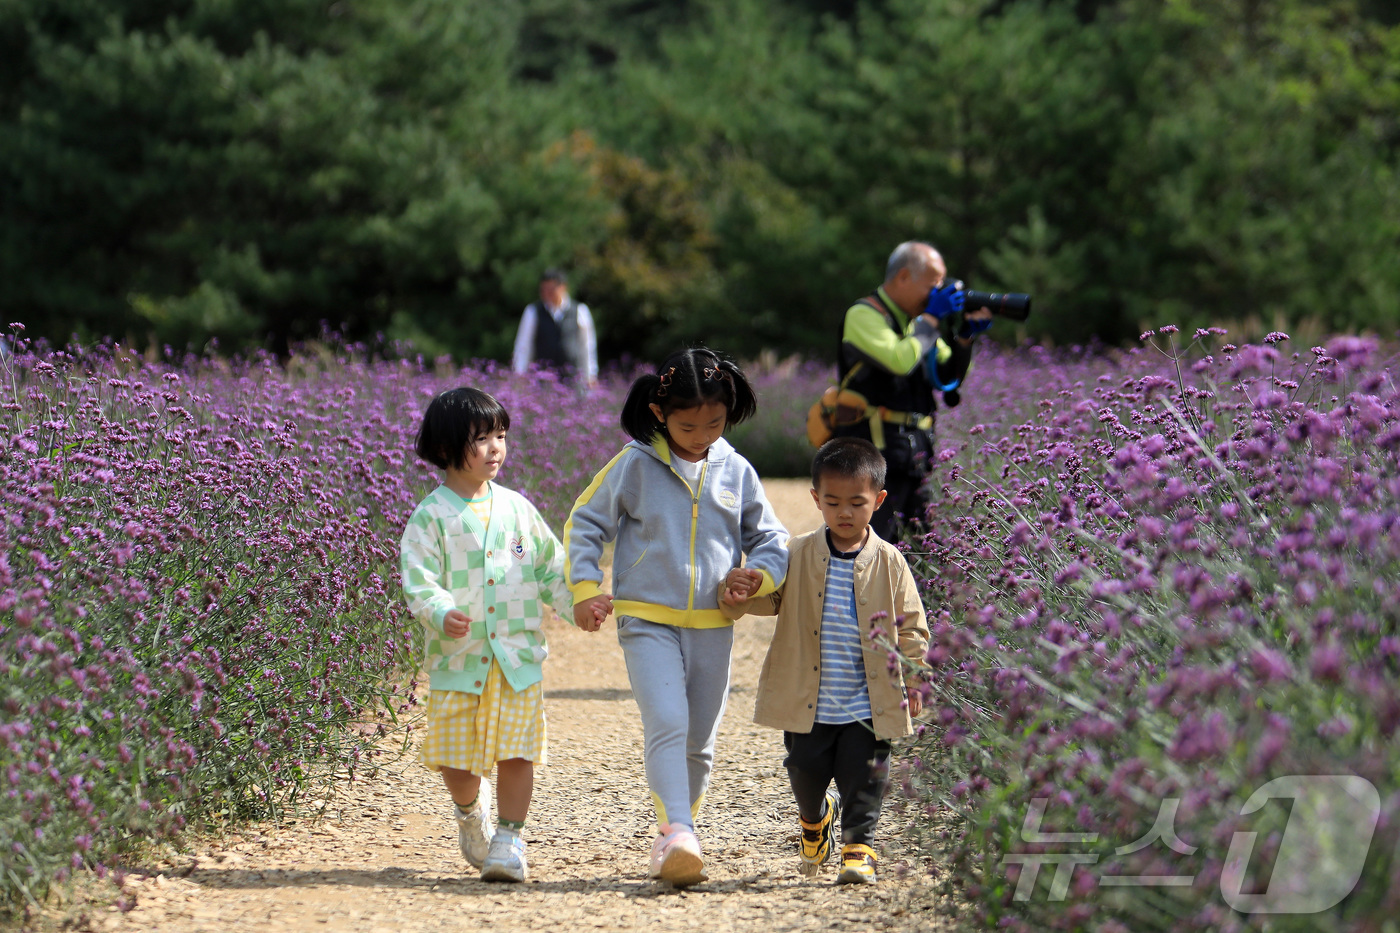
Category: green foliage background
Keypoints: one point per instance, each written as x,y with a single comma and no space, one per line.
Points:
732,170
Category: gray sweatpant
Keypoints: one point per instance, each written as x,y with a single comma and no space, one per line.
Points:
680,678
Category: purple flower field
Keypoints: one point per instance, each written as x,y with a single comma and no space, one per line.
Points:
200,615
1162,579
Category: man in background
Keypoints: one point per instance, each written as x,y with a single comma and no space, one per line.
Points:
558,331
892,352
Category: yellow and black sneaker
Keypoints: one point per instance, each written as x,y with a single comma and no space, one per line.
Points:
819,838
857,865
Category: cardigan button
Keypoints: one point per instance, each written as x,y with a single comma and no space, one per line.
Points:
485,660
493,634
490,582
491,609
478,683
809,705
814,667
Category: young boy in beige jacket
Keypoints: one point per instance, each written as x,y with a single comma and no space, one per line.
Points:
826,682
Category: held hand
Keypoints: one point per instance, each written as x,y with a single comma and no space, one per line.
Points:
456,624
945,301
600,613
589,614
739,585
916,701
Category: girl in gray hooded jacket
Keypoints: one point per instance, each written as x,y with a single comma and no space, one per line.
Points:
685,510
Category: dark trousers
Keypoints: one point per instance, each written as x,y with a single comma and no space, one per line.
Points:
855,759
905,506
908,456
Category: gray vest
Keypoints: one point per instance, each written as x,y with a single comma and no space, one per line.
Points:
559,343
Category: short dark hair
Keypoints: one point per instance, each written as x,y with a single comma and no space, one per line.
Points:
852,457
555,274
453,422
687,379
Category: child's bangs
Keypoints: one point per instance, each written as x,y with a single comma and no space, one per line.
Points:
489,418
495,424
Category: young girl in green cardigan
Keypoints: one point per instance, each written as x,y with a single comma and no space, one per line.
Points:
479,564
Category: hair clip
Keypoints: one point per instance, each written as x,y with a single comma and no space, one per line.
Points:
665,382
714,372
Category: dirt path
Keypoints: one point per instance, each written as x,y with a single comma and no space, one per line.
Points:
385,857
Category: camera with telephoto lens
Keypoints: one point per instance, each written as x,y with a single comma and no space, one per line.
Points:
1014,306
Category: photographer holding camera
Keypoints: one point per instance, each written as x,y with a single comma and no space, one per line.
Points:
892,353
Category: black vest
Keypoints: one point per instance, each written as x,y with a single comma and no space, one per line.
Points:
911,392
558,342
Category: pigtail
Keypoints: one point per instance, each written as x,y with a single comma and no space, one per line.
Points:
638,420
743,403
688,378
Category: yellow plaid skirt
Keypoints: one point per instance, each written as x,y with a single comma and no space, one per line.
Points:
471,733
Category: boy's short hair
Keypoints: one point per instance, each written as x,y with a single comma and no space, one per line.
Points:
852,457
555,274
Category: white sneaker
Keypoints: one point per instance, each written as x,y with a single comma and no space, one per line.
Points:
506,859
474,830
676,858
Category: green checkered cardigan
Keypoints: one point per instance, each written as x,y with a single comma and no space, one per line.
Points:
501,576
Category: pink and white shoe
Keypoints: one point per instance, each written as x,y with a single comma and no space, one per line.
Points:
676,858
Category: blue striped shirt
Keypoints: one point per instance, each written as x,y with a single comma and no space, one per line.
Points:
842,694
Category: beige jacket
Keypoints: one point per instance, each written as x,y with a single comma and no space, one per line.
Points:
787,688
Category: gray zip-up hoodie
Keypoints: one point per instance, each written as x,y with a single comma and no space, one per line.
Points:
674,543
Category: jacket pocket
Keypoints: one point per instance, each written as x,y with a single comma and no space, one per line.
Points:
618,577
457,652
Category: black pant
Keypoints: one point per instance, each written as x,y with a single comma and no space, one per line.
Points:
851,755
908,462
